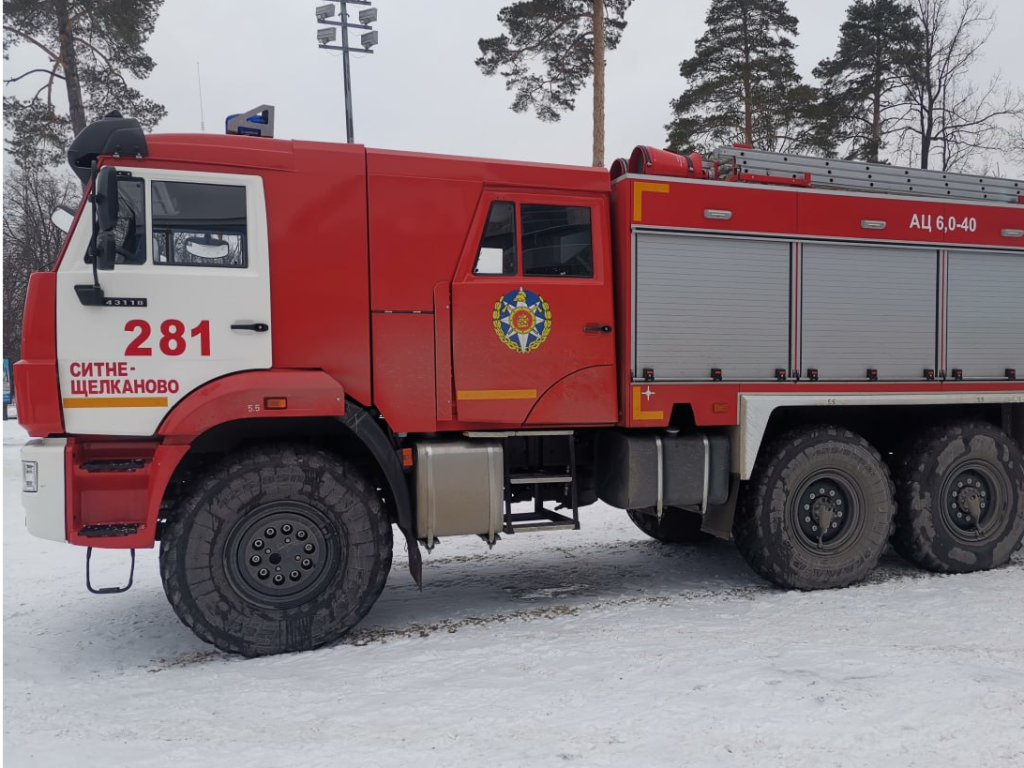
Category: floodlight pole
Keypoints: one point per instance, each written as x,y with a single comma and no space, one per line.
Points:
349,129
345,24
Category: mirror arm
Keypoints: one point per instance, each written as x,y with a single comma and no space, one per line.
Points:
92,295
93,245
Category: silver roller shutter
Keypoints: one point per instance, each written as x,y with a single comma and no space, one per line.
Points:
985,315
711,302
869,307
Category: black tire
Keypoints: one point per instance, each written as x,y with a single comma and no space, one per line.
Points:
320,528
778,528
963,466
677,526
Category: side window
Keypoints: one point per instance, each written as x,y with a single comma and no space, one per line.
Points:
497,254
199,225
557,241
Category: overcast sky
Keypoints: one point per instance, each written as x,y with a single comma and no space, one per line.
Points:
420,90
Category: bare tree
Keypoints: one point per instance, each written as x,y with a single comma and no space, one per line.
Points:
951,121
1016,144
31,242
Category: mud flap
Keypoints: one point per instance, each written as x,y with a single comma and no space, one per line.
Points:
371,435
415,558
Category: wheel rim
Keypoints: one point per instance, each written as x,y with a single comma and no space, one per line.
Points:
828,513
973,500
282,554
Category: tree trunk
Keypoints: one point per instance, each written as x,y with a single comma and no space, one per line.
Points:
69,60
927,127
876,127
748,97
598,159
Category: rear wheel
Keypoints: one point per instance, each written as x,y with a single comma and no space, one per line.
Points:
961,499
818,510
283,548
677,526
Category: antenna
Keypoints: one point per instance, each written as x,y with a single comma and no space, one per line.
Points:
202,118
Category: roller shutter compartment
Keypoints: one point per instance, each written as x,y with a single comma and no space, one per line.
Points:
869,307
710,302
985,315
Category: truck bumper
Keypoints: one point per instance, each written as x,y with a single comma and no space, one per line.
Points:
43,487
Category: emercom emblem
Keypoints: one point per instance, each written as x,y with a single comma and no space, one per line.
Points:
522,320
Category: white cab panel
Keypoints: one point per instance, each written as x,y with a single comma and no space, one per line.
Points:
123,367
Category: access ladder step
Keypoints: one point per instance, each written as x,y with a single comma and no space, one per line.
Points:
109,529
539,520
534,471
532,478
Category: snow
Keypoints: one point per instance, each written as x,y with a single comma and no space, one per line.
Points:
595,648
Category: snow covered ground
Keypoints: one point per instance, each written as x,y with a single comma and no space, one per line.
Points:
595,648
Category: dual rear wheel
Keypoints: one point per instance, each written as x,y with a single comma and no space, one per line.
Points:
821,511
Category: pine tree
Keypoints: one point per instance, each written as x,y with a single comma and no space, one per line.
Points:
861,93
743,86
93,46
550,51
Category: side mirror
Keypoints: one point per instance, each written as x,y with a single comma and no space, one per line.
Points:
106,251
105,200
63,219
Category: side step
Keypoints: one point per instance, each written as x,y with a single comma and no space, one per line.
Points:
109,529
542,518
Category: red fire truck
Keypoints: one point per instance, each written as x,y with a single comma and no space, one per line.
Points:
265,354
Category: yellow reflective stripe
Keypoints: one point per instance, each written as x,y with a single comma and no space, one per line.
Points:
115,402
639,187
639,414
497,394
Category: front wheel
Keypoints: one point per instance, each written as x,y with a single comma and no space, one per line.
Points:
818,510
283,548
961,497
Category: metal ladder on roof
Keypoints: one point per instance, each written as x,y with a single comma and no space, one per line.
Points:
744,164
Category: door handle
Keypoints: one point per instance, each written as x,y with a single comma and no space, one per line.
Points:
258,327
597,329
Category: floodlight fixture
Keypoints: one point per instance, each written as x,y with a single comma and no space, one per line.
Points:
345,22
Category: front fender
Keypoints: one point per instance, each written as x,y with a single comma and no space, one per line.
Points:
245,396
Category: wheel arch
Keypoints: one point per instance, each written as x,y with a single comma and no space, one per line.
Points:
222,416
355,435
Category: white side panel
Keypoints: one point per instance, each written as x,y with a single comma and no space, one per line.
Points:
985,323
105,399
45,515
755,411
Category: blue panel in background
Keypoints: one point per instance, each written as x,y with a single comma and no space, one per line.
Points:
8,388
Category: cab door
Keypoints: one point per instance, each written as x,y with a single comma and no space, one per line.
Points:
533,338
187,302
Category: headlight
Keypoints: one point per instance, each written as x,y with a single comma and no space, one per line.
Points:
29,476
